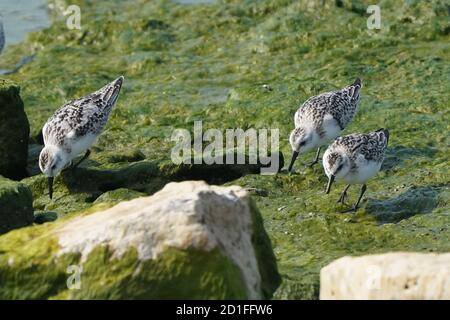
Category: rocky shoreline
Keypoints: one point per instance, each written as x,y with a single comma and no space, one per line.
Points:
182,66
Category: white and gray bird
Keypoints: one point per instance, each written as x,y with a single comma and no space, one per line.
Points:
321,119
354,159
73,128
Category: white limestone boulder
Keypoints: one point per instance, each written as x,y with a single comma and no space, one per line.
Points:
188,241
397,275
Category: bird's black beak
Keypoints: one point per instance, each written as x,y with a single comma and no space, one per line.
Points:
50,187
330,182
294,156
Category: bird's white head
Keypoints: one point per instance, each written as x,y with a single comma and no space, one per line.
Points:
336,164
302,140
51,162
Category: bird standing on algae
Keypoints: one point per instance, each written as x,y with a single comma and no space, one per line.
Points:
354,159
74,128
321,119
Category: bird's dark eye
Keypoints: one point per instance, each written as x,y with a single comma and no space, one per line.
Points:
302,143
53,167
340,167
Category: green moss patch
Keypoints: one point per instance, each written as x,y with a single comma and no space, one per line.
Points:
16,205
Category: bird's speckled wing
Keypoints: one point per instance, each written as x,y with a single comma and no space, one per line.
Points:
340,104
371,145
87,115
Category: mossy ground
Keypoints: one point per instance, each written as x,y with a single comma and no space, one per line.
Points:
209,62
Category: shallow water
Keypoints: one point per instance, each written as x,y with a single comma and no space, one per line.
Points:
21,17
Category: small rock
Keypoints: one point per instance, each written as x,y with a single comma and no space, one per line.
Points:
259,192
118,195
14,132
47,216
16,205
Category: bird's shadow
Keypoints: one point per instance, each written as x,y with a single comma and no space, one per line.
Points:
140,176
397,154
415,200
150,176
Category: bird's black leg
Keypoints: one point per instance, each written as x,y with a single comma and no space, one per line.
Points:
343,195
355,207
88,152
316,160
363,189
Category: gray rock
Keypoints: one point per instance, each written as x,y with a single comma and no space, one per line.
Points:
14,132
16,205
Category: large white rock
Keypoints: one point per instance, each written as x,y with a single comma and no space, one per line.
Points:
183,215
398,275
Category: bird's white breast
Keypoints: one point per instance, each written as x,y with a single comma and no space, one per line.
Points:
363,172
81,143
331,128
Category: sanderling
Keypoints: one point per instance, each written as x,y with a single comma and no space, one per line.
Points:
320,119
354,159
74,128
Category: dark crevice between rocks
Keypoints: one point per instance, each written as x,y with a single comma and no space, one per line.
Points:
139,176
145,177
221,173
45,216
215,173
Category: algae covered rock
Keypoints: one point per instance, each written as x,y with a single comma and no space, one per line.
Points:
118,195
188,241
396,275
16,205
14,131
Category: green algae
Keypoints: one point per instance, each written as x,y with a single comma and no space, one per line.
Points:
210,62
197,275
117,195
16,205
